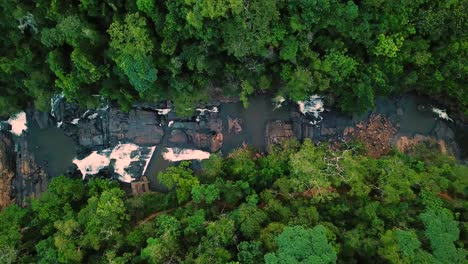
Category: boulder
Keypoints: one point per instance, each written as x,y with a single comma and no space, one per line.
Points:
7,169
277,132
202,140
234,125
215,124
138,126
90,132
443,131
216,142
178,136
376,135
326,131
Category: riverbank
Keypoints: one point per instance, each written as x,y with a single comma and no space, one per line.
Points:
54,140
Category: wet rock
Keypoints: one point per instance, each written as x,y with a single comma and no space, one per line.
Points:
202,140
348,131
216,142
185,125
234,125
442,131
178,136
277,132
137,126
90,133
307,131
215,124
7,169
31,178
189,128
42,119
64,111
4,126
325,131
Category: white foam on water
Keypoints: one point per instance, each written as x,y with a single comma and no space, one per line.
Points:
441,113
314,106
204,110
278,101
170,123
75,121
163,111
18,123
54,100
180,154
93,116
85,113
149,159
92,164
123,154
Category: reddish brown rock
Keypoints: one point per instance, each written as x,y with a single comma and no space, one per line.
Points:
277,132
216,142
7,169
376,135
31,178
202,140
406,144
178,136
234,125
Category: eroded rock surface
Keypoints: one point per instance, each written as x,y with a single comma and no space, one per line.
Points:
376,134
234,125
31,178
138,126
405,144
7,169
277,132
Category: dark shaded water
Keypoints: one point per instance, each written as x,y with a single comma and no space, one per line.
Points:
412,113
255,117
52,148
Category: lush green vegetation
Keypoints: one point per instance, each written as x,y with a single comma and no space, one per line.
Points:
188,50
299,204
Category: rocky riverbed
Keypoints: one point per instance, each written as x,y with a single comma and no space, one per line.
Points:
53,140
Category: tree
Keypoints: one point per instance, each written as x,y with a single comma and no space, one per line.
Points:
250,252
131,49
180,178
66,241
11,220
103,218
403,246
300,245
250,220
442,232
163,247
308,170
207,193
56,203
242,165
299,84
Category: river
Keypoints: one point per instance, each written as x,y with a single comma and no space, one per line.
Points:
412,113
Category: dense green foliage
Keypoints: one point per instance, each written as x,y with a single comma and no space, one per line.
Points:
299,204
187,50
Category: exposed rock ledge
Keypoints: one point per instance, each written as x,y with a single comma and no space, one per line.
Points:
7,169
